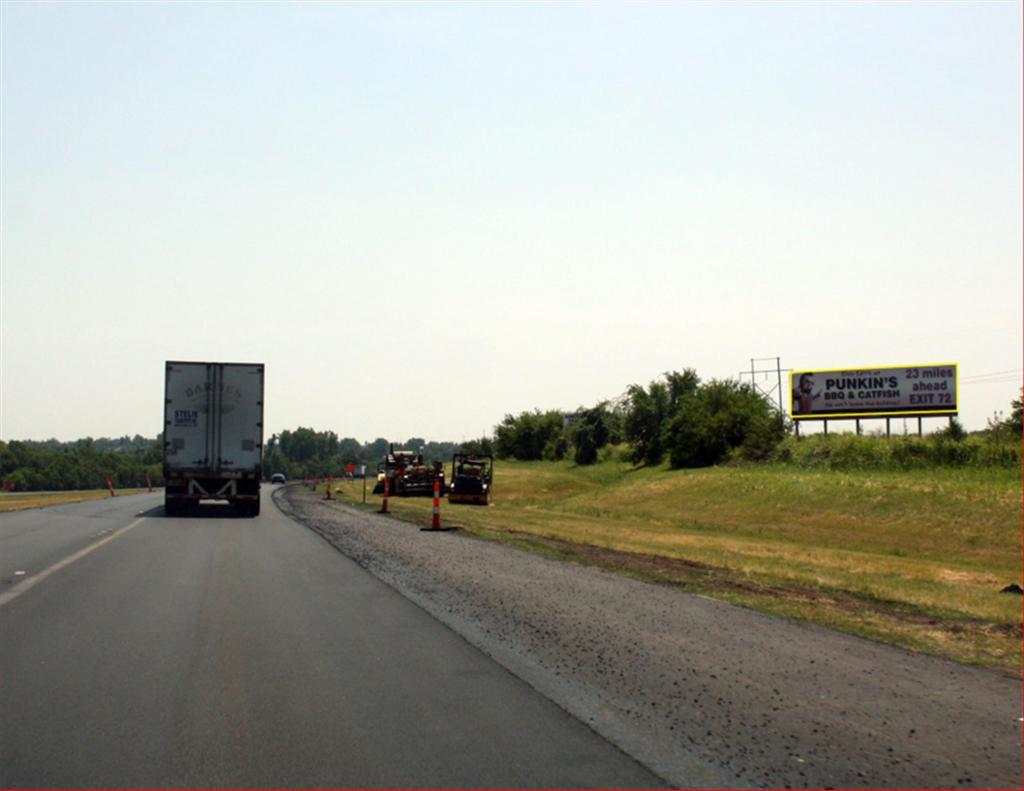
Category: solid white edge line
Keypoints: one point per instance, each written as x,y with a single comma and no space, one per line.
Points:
35,579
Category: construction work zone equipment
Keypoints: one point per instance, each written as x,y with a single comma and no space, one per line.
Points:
472,480
408,474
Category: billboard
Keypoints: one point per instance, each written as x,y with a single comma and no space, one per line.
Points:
874,392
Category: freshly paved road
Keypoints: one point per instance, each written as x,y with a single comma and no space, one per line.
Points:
222,652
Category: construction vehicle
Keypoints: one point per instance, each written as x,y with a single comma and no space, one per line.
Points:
408,475
472,479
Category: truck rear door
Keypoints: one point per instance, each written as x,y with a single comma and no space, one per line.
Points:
214,417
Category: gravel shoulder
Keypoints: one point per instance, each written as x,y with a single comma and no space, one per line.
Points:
703,693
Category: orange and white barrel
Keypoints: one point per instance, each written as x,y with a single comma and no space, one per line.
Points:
436,522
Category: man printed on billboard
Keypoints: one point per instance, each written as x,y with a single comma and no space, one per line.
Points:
803,397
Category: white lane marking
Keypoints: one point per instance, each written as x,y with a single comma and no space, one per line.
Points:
31,582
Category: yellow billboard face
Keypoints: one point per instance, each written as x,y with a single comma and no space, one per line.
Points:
873,392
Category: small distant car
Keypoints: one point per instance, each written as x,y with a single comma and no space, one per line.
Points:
277,477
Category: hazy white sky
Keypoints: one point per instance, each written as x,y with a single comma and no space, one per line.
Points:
421,217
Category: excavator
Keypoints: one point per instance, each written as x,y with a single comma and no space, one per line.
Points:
472,479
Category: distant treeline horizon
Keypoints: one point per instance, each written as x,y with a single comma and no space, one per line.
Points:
676,417
55,465
305,452
52,465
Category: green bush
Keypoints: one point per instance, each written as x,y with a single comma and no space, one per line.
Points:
619,453
525,436
696,437
858,452
648,412
589,433
764,433
949,452
852,452
998,454
555,448
718,418
909,452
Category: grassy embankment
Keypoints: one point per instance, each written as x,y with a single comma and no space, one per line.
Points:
914,558
20,502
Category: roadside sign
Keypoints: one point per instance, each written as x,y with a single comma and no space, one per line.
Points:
874,392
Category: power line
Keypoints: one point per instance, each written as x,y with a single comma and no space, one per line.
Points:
992,373
1005,380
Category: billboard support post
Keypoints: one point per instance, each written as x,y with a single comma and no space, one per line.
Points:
859,423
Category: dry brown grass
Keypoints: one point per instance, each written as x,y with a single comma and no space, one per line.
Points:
21,502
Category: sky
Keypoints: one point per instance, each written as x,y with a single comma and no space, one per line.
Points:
422,217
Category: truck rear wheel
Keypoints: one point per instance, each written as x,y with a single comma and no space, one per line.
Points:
247,508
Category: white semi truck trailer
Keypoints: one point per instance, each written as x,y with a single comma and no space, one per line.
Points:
213,435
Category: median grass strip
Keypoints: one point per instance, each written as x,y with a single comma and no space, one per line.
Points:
21,502
915,558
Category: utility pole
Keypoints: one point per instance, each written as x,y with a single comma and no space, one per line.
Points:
773,393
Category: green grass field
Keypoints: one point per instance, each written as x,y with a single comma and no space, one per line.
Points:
913,558
20,502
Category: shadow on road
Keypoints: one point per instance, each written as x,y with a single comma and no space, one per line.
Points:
203,511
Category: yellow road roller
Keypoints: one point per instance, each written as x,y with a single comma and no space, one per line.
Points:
472,479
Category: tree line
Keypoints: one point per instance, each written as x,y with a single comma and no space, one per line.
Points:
675,416
128,461
82,464
697,424
304,452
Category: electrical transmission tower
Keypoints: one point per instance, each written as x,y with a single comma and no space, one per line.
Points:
773,393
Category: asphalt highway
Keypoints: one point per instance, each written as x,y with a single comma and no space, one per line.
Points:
209,651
